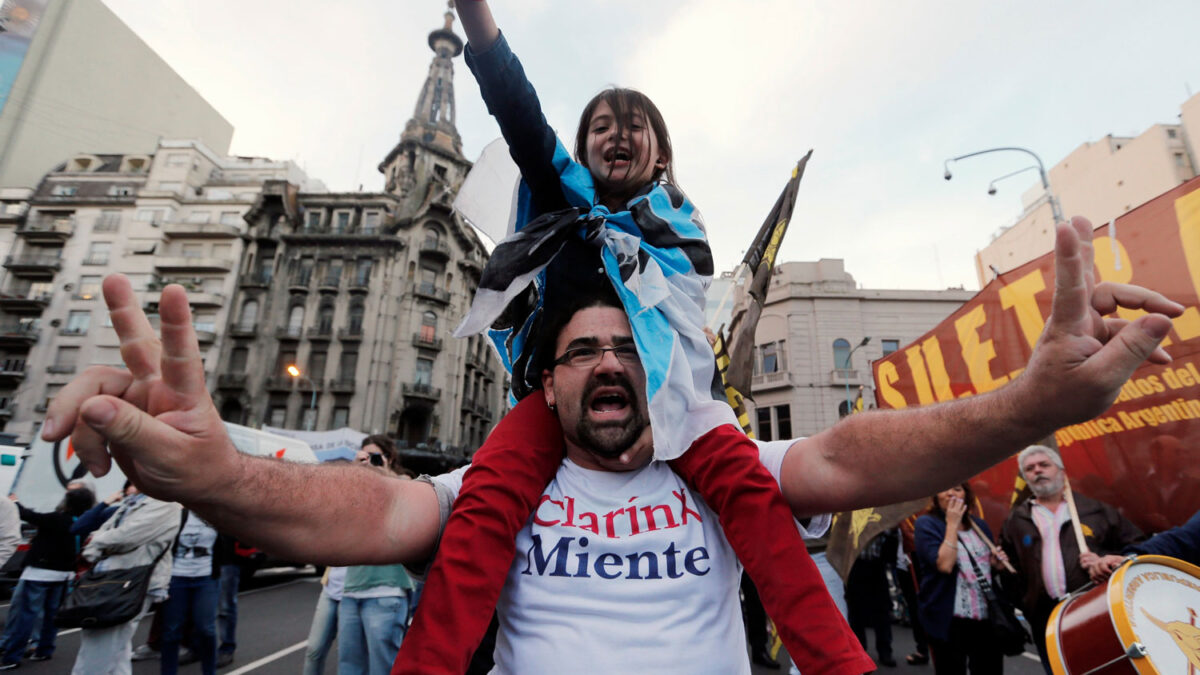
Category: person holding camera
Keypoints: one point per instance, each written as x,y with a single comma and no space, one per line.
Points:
374,609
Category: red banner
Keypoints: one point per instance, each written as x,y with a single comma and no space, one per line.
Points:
1143,454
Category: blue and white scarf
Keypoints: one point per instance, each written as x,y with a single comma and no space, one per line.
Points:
658,259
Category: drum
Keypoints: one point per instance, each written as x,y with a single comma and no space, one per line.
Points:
1142,620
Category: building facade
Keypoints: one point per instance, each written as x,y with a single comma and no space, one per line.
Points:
809,358
86,81
360,292
174,215
1100,180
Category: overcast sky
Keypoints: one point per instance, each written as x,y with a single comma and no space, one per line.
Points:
882,91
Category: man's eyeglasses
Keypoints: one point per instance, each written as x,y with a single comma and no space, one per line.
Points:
587,357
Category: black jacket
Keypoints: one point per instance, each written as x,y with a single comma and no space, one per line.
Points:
53,547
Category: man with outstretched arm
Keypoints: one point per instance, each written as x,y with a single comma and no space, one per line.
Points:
161,427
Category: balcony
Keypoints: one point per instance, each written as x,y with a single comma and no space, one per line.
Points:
61,368
73,331
206,337
197,296
342,386
19,334
307,385
431,292
200,231
299,282
12,373
478,361
289,332
425,342
96,260
767,381
33,265
46,229
259,279
329,285
351,334
435,250
280,383
422,391
193,264
243,331
322,333
24,303
8,409
359,285
232,380
841,377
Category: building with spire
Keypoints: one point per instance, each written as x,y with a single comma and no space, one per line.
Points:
360,292
357,292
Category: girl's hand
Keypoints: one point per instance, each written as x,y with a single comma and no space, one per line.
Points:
640,453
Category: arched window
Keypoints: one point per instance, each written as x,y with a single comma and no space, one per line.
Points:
412,271
428,327
296,318
356,317
325,316
249,316
432,237
841,354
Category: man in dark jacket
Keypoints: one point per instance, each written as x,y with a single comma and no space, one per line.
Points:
49,564
1040,541
1181,542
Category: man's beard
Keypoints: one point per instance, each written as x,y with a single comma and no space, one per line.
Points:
610,439
1048,489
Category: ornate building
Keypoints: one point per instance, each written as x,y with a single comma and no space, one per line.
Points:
360,292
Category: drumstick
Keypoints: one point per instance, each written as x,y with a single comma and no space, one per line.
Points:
1070,496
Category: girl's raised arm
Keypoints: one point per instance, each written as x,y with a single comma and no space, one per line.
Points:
477,23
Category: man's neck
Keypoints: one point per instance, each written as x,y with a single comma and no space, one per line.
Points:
595,462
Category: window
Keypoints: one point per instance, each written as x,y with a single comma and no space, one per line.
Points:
428,326
341,221
439,170
325,316
306,270
193,250
764,424
1171,133
1179,160
312,220
230,217
432,237
890,345
296,319
316,366
310,418
356,317
333,275
362,273
177,159
77,322
841,354
196,217
277,417
429,276
347,365
341,418
98,253
783,421
64,190
371,220
772,357
205,322
249,316
424,374
238,359
120,191
65,359
153,216
222,251
89,287
286,358
108,221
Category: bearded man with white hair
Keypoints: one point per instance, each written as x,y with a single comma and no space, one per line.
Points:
1040,540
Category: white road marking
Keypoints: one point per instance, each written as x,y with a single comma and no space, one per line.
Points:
269,658
1032,657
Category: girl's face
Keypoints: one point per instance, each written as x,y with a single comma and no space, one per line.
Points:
625,164
944,496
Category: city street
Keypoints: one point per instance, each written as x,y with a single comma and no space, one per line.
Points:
273,623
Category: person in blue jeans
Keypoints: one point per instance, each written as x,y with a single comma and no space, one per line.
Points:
325,621
49,565
227,603
195,585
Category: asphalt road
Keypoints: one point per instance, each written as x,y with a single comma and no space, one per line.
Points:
273,621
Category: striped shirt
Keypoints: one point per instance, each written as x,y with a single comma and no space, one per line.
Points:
969,602
1049,524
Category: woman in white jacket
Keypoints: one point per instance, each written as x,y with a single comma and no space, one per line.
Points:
137,532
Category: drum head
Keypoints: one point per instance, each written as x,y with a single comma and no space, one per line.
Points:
1155,600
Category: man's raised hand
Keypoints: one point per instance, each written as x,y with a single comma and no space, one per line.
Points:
1083,357
156,419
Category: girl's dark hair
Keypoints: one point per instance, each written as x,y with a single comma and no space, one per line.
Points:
968,499
625,102
77,501
560,308
388,447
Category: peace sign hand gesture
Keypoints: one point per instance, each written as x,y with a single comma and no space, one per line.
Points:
156,419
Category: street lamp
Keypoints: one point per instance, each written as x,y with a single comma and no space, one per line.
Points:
294,371
992,185
1054,206
849,405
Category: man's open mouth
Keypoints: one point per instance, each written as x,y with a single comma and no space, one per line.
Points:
608,401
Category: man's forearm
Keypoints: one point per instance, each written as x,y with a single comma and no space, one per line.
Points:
477,23
334,515
886,457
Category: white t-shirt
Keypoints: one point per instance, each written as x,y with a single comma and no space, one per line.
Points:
194,556
624,572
